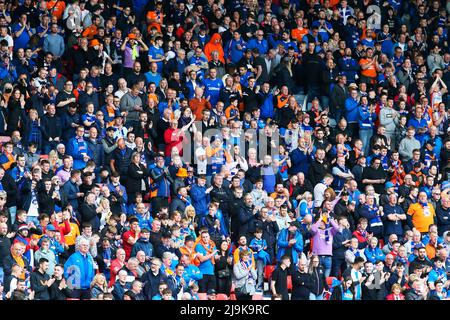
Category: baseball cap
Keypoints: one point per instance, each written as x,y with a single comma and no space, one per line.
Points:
50,227
389,185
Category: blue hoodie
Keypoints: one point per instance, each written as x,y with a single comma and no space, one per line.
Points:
351,110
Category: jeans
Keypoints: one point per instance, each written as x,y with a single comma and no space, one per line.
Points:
312,296
260,271
325,262
12,213
365,135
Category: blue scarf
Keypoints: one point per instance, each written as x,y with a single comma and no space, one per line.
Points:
186,200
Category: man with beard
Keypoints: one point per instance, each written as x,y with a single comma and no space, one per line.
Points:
234,208
247,217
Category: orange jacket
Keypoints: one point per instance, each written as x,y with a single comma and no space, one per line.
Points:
56,7
90,32
215,44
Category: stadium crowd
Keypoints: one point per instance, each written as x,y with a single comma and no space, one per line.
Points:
112,185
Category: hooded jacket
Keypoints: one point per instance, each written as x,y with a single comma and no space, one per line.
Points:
215,44
142,245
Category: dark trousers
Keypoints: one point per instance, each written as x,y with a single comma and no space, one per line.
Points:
223,285
353,129
338,265
82,294
243,297
206,283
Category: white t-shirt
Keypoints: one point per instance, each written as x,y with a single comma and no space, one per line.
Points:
201,164
319,191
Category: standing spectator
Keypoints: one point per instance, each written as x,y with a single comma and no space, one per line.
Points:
79,271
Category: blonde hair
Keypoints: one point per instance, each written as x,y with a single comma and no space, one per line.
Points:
96,280
188,212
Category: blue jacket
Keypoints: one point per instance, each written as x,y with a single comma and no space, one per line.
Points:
232,52
266,107
142,245
283,241
374,255
70,190
77,149
161,184
200,200
191,91
351,110
262,46
351,35
349,67
79,270
300,161
366,119
97,151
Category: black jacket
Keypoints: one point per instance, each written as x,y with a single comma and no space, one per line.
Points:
337,293
337,97
5,245
58,294
9,185
151,286
51,127
88,214
247,221
318,280
317,171
41,291
135,176
46,202
302,285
